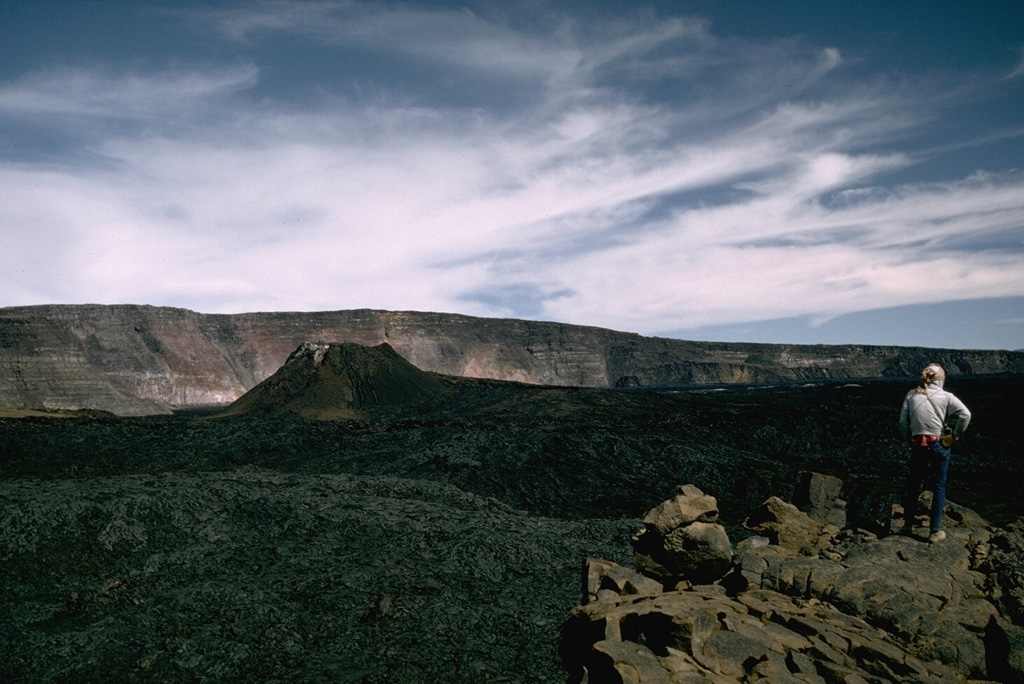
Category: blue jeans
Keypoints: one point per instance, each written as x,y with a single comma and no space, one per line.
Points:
929,465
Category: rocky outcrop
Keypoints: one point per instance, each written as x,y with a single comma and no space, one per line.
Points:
825,606
704,635
143,359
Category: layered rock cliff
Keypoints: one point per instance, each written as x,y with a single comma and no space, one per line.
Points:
142,359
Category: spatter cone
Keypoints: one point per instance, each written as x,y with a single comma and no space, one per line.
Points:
330,381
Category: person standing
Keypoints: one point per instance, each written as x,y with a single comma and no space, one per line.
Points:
931,419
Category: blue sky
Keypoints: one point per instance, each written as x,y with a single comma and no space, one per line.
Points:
804,172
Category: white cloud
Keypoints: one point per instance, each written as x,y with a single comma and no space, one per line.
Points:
457,37
1019,71
86,92
595,203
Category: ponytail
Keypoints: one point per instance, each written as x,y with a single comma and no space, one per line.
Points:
933,372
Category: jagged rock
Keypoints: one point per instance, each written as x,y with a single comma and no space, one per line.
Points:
1003,563
602,578
796,575
679,541
920,517
927,595
701,551
817,495
705,635
785,525
847,607
690,505
630,662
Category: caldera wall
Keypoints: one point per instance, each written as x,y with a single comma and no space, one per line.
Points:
143,359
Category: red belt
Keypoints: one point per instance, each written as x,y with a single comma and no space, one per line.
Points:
924,440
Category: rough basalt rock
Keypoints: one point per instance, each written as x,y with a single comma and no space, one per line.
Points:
1002,560
785,525
603,578
705,635
143,359
845,607
681,540
817,495
689,506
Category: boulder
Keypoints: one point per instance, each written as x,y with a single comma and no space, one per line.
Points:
785,525
690,505
700,552
681,542
817,495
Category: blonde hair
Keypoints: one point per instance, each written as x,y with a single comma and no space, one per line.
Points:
933,372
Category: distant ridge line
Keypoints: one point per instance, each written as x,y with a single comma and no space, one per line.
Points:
137,359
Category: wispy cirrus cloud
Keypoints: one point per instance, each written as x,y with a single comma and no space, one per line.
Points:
647,176
90,92
1019,70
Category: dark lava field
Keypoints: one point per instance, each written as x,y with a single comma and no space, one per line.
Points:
441,544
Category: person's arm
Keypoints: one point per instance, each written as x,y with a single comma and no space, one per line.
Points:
905,418
957,416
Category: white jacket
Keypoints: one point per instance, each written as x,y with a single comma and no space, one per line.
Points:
917,417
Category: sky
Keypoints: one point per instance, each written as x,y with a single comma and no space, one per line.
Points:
791,172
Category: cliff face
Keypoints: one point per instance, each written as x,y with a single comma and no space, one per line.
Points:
143,359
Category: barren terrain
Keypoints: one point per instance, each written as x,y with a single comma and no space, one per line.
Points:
441,544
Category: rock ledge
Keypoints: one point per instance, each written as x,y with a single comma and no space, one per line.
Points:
802,600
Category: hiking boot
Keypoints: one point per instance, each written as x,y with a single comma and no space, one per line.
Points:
936,536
